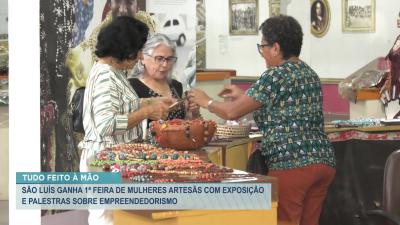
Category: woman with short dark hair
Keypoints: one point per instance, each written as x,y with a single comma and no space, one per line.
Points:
287,105
112,110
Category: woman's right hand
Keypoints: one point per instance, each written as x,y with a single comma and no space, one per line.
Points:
158,109
231,91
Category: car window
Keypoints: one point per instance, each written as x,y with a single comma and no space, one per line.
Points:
168,23
175,22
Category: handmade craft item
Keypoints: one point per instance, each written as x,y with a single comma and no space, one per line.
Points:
183,134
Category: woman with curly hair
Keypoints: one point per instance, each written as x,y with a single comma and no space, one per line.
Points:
112,111
287,105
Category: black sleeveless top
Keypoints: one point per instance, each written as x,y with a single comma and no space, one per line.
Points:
143,91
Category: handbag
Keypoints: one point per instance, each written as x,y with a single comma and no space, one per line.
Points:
77,110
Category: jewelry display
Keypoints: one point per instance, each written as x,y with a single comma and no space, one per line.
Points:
142,162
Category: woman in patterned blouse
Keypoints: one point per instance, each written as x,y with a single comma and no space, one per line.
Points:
287,105
152,75
112,110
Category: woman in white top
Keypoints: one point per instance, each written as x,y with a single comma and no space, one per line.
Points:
112,110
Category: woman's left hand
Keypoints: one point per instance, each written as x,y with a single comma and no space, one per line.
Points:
192,107
198,97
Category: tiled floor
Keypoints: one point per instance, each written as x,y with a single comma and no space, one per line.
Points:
3,212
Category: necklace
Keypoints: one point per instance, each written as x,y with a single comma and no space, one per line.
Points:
162,89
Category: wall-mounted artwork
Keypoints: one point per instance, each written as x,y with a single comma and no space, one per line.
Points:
274,8
398,21
201,35
358,15
320,17
243,17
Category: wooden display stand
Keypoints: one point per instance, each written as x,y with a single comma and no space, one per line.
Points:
214,74
368,94
232,153
368,104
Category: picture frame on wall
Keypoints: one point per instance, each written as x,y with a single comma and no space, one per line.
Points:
243,17
358,15
274,8
201,34
320,17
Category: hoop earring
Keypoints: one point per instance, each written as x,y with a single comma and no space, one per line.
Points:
141,63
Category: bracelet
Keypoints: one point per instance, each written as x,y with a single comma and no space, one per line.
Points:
209,103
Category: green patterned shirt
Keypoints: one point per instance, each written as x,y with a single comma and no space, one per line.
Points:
291,118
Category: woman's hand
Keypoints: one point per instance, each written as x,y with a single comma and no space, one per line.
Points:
192,106
150,108
158,108
157,111
165,100
156,100
198,97
231,91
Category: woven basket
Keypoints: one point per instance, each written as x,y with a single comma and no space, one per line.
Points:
231,131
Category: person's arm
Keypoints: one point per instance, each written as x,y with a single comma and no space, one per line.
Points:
107,118
154,111
261,93
231,110
155,108
105,105
235,109
231,91
192,110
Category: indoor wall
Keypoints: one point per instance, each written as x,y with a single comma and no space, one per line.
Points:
335,55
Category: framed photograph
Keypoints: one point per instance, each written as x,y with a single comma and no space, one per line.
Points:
320,17
274,8
358,15
201,34
243,17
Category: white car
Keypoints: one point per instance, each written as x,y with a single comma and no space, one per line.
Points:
174,28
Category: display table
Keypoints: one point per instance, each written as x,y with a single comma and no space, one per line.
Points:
211,217
361,154
372,129
232,153
188,217
185,167
219,152
198,171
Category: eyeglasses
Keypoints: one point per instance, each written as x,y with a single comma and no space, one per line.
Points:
261,46
161,59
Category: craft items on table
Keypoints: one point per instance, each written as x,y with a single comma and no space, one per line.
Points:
147,163
233,129
183,134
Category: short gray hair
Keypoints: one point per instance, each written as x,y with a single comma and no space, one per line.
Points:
153,42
